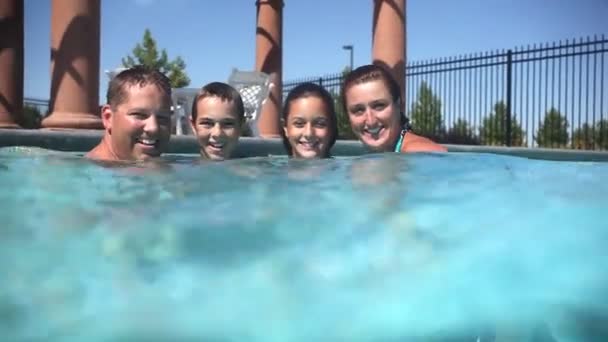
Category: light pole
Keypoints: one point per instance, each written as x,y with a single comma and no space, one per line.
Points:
351,49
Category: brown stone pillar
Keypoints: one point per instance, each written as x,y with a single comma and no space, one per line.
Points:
11,63
388,42
75,32
269,59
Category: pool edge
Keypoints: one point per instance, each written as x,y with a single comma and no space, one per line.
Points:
84,140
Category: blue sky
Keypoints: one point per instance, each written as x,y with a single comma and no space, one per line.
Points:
215,36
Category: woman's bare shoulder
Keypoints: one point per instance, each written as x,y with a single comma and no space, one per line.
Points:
417,143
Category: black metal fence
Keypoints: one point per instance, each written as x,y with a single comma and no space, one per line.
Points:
546,95
41,105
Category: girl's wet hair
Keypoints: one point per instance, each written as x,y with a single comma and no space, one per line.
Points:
223,91
373,72
305,90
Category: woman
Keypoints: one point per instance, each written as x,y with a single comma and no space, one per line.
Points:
372,99
309,122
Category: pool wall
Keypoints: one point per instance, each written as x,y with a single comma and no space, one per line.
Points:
84,140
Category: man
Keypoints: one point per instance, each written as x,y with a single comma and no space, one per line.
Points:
136,117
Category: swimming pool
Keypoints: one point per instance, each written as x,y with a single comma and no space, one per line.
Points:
375,247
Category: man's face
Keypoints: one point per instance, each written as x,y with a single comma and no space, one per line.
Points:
140,127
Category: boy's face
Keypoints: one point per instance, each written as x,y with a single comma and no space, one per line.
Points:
139,127
217,127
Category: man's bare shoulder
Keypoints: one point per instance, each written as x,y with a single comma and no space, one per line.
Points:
100,152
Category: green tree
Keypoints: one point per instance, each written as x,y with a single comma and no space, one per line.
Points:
583,137
426,114
31,117
461,133
345,132
601,134
147,54
590,137
493,130
553,131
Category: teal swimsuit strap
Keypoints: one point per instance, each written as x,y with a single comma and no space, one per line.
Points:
400,141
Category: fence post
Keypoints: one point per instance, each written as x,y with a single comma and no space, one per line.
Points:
321,81
508,138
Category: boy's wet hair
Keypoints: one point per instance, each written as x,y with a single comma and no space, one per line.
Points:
373,72
305,90
139,75
223,91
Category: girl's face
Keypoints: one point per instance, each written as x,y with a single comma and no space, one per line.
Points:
307,127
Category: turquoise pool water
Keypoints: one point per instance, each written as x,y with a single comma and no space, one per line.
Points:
453,247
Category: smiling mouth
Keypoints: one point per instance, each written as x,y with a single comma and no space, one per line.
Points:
152,143
216,146
308,145
374,132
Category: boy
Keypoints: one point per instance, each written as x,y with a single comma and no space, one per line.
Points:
217,119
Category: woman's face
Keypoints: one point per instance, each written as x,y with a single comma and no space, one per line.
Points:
307,127
374,115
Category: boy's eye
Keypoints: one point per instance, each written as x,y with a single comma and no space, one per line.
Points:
228,124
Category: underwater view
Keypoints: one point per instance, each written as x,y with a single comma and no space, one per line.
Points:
379,247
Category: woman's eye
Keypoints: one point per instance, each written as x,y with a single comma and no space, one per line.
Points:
356,110
379,106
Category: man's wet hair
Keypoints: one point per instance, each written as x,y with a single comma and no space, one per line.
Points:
139,75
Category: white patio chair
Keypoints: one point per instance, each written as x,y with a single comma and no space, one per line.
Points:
182,105
254,87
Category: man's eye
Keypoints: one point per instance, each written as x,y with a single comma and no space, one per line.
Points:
298,124
139,116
